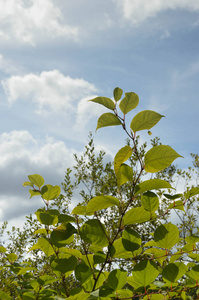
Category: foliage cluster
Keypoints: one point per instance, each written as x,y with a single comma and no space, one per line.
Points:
119,241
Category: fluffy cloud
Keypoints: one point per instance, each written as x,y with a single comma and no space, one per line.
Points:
21,155
50,91
27,21
138,11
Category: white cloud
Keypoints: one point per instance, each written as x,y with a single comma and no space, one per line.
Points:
27,24
50,91
138,11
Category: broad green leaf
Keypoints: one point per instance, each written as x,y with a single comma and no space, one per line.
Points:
137,215
150,201
63,235
159,157
166,235
89,283
194,273
62,218
145,119
2,249
44,245
117,279
122,155
192,239
36,180
192,192
108,119
99,257
107,102
49,217
34,193
118,251
173,197
94,232
79,210
156,297
152,184
174,271
117,93
125,293
5,296
124,174
144,273
64,265
41,231
177,205
50,192
25,270
46,279
28,296
131,239
157,254
12,257
101,202
82,272
129,102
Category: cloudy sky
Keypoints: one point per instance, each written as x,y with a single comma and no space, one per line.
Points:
57,54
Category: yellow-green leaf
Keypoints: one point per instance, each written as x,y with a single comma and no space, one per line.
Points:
108,119
129,102
145,119
122,155
107,102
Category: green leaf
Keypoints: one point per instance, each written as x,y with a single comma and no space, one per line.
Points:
194,273
129,102
152,184
117,93
44,245
137,215
28,296
5,296
2,249
131,239
64,265
62,218
107,102
79,210
150,201
36,180
108,119
166,235
173,197
117,250
174,271
50,192
63,235
159,157
34,193
46,279
28,183
192,192
124,174
122,155
12,257
94,232
145,119
192,239
49,217
117,279
99,257
177,205
82,272
144,273
157,254
101,202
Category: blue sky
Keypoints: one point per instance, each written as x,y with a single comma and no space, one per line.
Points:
55,55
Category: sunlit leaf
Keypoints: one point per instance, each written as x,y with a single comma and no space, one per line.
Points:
138,215
63,235
159,157
122,155
50,192
36,179
131,239
117,279
125,174
107,102
177,205
101,202
145,119
117,93
166,235
192,192
49,217
64,265
152,184
174,271
93,232
150,201
108,119
129,102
